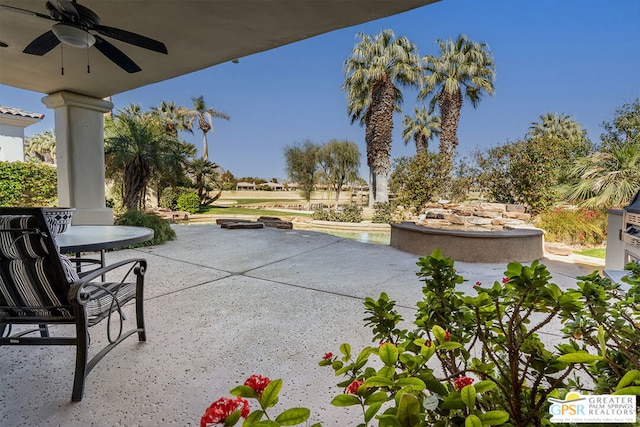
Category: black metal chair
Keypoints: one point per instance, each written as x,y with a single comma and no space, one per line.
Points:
40,287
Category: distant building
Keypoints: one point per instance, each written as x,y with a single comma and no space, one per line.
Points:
13,121
245,186
273,186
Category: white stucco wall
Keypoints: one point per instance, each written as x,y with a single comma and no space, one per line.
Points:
11,143
12,136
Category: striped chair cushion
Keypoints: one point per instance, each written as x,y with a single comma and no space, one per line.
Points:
29,289
28,286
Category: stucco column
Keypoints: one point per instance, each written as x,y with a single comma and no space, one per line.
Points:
79,122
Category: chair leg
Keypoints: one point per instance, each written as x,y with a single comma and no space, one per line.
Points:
82,355
44,330
142,333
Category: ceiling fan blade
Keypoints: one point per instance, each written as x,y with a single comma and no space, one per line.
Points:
26,12
131,38
67,8
42,44
116,55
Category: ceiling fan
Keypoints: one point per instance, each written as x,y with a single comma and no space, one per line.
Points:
77,25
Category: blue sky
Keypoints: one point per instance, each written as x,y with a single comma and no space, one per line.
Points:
580,58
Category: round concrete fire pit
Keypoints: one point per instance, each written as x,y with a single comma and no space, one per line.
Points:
491,246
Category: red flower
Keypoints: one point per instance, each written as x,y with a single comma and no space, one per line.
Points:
219,410
462,381
353,387
258,383
505,279
447,335
328,356
478,283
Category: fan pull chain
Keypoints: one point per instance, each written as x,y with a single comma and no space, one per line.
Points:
61,61
88,66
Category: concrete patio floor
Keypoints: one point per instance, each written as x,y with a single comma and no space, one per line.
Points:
222,305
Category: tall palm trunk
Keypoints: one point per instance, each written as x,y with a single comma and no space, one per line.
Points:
379,126
136,174
422,143
450,105
204,127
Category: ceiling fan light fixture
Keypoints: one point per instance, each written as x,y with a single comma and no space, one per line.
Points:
73,36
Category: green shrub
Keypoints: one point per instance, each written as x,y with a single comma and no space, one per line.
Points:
574,226
383,212
189,202
346,214
161,228
419,179
169,196
28,184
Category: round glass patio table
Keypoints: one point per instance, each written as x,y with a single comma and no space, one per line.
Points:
90,238
98,238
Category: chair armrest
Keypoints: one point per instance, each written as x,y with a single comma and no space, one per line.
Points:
76,291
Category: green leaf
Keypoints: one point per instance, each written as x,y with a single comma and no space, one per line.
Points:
630,377
449,345
436,387
232,419
346,350
293,416
579,357
363,356
388,354
345,400
428,350
415,383
453,403
408,409
634,389
371,411
494,418
468,396
484,386
244,391
439,333
266,423
253,418
270,394
601,340
377,397
378,381
472,421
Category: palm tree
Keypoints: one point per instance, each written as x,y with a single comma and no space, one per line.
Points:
377,67
173,118
206,177
205,122
135,147
422,128
557,125
608,178
462,64
41,147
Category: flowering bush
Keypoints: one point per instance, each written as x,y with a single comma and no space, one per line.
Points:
227,411
494,368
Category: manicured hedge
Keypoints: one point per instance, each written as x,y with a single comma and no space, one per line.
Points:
28,184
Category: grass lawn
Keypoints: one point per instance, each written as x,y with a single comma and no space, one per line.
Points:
216,210
269,201
593,252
